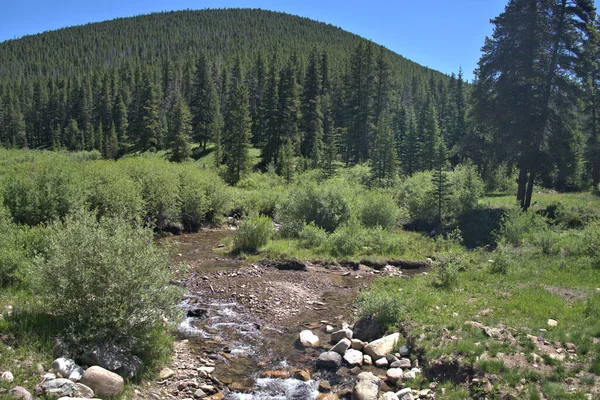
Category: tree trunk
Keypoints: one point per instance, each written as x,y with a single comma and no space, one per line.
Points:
529,193
522,186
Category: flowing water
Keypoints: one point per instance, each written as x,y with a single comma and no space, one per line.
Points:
245,345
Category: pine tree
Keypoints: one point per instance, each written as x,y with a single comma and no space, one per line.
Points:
74,136
289,108
257,97
270,116
99,138
205,104
410,148
111,143
180,132
150,136
236,134
312,115
440,179
331,153
285,168
121,119
384,161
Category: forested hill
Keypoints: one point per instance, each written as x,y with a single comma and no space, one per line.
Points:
236,78
220,33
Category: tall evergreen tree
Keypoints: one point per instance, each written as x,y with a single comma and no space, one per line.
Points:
384,160
439,178
111,143
149,119
180,132
312,115
236,135
205,104
270,116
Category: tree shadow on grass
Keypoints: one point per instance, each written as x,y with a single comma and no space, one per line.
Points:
478,226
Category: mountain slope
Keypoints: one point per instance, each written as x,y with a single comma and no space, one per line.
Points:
226,33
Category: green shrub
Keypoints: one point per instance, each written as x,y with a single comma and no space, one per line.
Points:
447,270
382,301
106,280
519,227
347,240
13,258
570,217
466,188
253,234
111,193
159,185
194,204
414,195
312,237
43,191
502,260
218,196
378,241
378,210
327,205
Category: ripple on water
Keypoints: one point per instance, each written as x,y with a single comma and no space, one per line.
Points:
279,389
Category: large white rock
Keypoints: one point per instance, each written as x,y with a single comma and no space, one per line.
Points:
358,344
7,376
382,347
354,358
65,367
367,387
57,388
329,360
308,339
389,396
103,382
394,375
367,360
405,394
341,346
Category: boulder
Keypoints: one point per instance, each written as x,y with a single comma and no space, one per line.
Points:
200,394
19,393
389,396
103,382
301,375
353,358
276,374
401,363
324,387
367,360
367,387
552,323
82,391
391,358
308,339
327,396
166,373
358,344
67,367
409,375
7,376
56,388
367,329
394,375
404,351
329,360
381,347
341,334
329,329
113,359
405,394
341,346
381,363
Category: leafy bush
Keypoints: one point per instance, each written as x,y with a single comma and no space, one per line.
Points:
382,301
194,204
327,205
218,195
106,280
159,185
253,234
466,189
584,244
13,258
312,237
447,269
502,260
414,195
44,191
346,240
378,210
518,227
378,241
111,193
570,217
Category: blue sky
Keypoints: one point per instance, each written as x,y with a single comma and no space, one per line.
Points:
441,34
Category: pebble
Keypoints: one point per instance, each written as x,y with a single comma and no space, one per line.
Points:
166,373
381,363
552,323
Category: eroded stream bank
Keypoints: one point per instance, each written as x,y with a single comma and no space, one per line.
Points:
246,317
